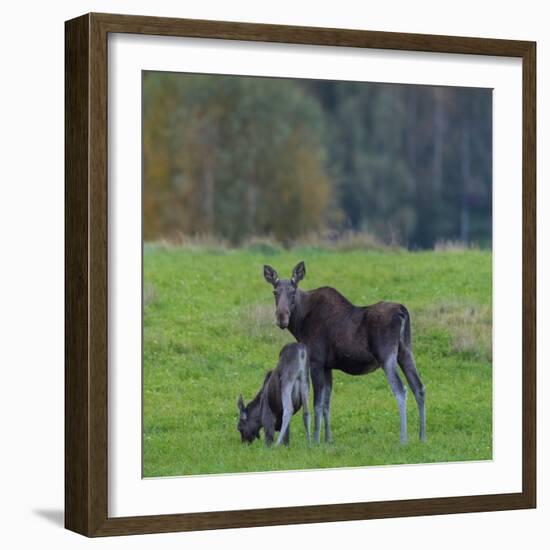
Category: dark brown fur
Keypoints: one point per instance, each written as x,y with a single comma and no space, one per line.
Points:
353,339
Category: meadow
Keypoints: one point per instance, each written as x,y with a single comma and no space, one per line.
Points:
209,334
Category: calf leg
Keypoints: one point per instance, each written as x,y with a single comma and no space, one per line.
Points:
288,411
408,366
399,390
318,380
268,424
304,397
326,405
269,436
286,438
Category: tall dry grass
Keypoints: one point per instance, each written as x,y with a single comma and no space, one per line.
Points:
448,245
324,240
470,326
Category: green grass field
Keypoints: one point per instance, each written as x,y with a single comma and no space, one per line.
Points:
209,334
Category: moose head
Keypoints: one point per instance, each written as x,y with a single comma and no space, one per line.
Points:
248,427
284,291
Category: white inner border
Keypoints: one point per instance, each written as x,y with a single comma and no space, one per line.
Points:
131,495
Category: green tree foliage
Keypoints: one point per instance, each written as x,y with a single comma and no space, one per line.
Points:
233,157
237,157
411,163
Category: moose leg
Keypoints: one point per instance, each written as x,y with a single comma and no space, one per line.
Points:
408,366
326,405
318,380
288,410
286,438
268,424
304,397
399,391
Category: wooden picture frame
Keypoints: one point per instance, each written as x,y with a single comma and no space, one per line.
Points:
86,278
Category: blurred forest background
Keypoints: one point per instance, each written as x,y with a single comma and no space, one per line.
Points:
240,158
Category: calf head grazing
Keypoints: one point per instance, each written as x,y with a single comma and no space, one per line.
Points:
284,291
249,423
248,430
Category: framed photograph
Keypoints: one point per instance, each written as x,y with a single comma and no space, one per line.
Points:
274,229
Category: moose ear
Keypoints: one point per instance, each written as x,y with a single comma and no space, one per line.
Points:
298,273
270,275
240,403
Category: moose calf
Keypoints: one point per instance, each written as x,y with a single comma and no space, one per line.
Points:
284,391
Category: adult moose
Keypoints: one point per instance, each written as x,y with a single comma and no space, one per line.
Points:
355,340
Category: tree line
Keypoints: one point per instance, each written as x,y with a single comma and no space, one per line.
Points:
240,157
